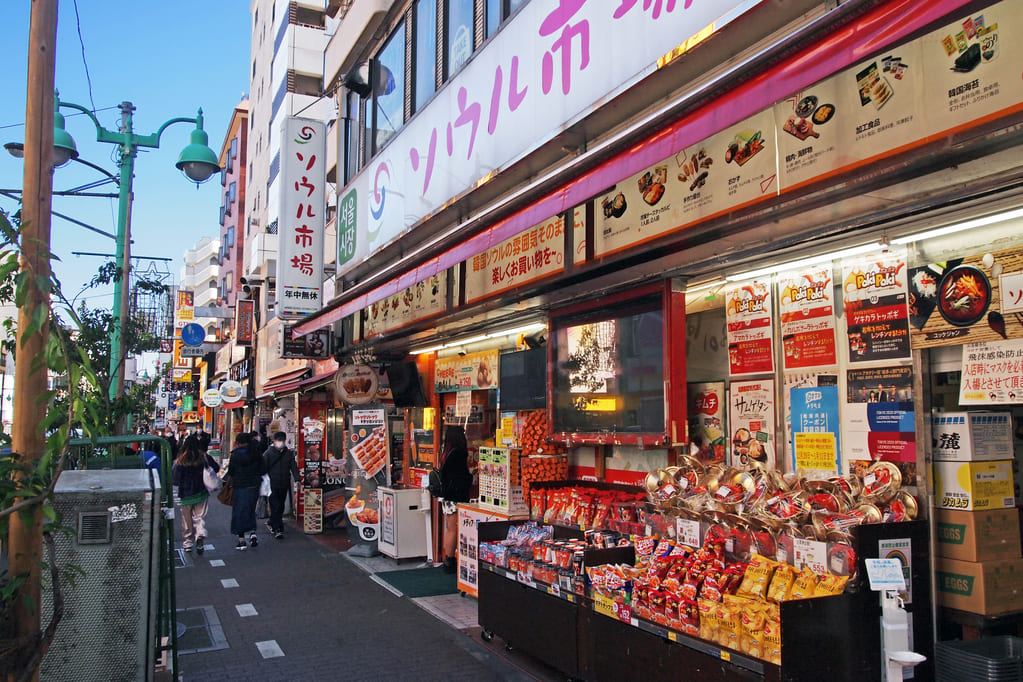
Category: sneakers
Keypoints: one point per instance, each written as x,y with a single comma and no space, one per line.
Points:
279,535
269,527
253,541
199,547
189,549
241,545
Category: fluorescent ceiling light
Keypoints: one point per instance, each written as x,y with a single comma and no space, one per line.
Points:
805,262
707,285
959,227
519,330
464,342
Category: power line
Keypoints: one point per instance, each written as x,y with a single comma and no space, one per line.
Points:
81,41
75,113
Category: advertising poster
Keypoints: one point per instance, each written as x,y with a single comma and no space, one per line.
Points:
972,299
708,427
876,315
728,170
751,420
312,420
794,380
367,439
807,310
312,517
815,431
992,373
468,372
423,299
749,328
315,344
368,452
878,419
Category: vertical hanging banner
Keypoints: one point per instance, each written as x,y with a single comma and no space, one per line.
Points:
245,322
750,339
302,219
806,306
875,291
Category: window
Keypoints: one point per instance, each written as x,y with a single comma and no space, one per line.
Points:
229,237
459,34
425,51
388,83
499,10
352,130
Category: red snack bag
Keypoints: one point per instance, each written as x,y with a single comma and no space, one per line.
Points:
694,578
675,576
672,604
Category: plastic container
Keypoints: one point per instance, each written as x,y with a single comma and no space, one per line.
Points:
989,659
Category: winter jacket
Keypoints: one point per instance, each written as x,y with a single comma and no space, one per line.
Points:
188,479
245,467
278,464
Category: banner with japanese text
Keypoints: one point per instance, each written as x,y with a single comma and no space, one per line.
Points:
467,372
245,321
302,217
419,301
807,312
750,328
751,416
815,431
878,419
875,293
992,373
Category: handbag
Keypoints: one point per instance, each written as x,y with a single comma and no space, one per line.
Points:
210,479
434,483
264,487
226,494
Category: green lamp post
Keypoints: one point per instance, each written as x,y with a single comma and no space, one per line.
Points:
198,163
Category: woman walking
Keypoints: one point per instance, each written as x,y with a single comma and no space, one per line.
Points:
456,485
192,494
246,471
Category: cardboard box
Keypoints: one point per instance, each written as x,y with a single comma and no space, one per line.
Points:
971,436
977,535
976,486
985,587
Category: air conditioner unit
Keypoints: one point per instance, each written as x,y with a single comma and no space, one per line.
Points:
108,631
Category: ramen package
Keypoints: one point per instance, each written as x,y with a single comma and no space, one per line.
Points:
805,584
781,583
830,585
757,578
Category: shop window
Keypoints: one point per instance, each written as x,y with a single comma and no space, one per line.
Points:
499,10
425,51
459,33
609,371
389,88
355,114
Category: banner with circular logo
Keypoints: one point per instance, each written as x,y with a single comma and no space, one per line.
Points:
212,398
232,394
356,384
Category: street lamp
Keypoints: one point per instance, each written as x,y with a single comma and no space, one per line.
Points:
197,161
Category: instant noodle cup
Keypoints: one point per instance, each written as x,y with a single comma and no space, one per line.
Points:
757,578
830,585
805,585
781,583
881,481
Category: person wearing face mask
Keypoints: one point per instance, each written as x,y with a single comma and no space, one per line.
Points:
280,465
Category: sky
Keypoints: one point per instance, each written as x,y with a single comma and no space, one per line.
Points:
168,59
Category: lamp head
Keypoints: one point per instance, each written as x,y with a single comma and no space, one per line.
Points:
197,161
15,149
64,148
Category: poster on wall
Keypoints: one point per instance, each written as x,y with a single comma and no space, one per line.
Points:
878,419
749,328
751,421
992,373
312,423
368,442
807,311
877,319
972,299
815,432
794,380
468,372
708,424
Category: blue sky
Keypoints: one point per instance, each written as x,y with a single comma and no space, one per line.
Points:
168,59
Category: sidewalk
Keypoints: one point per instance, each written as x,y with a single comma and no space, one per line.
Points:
301,609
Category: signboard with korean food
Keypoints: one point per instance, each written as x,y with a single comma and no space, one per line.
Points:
708,427
815,429
367,440
876,316
356,384
878,419
972,299
467,372
807,311
312,514
749,328
413,303
726,171
751,421
992,373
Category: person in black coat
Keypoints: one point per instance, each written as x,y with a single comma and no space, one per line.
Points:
456,486
280,465
246,471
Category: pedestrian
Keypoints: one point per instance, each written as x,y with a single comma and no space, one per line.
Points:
280,465
187,475
456,486
151,460
173,442
245,468
204,439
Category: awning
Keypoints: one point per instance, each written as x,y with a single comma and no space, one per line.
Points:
316,381
876,29
284,383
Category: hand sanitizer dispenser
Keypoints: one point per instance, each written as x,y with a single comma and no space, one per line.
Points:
886,577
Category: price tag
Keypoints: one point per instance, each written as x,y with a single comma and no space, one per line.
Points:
726,655
885,574
688,532
672,637
555,590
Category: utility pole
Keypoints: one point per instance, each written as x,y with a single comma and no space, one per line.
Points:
25,539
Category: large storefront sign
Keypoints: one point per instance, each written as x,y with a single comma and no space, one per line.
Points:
876,317
422,300
749,315
992,373
302,218
807,312
467,372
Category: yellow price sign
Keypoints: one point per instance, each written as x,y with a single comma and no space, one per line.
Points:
815,451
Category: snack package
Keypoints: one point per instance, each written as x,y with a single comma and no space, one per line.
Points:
805,584
752,641
708,619
672,605
830,585
729,626
772,640
689,615
710,589
757,578
781,583
675,576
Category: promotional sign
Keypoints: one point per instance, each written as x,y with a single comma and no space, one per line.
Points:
972,299
815,429
878,419
708,428
302,217
367,440
184,310
312,514
749,328
315,344
212,398
901,550
807,311
875,294
992,373
751,420
233,393
356,384
423,299
468,372
795,380
244,321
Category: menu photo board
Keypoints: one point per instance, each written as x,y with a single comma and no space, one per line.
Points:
751,418
749,325
469,372
807,311
875,294
422,299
